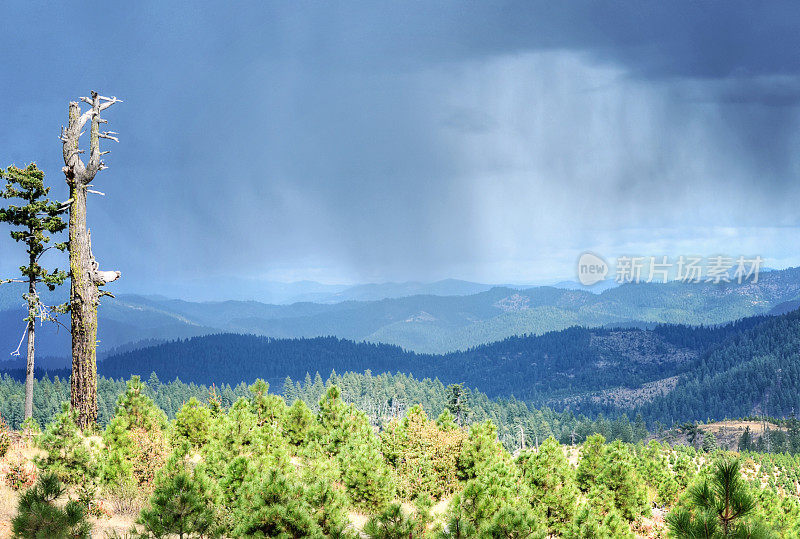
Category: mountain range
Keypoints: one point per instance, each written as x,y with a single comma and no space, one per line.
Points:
425,323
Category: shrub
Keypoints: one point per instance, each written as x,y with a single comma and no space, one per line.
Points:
180,505
68,454
424,454
390,523
268,408
365,474
552,485
5,438
192,424
273,505
136,445
20,473
612,468
298,423
40,516
479,450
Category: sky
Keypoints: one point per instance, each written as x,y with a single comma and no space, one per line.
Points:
348,142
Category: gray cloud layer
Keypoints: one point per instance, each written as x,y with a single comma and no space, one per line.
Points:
418,140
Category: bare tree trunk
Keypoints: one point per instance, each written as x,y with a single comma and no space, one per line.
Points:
85,277
84,298
32,304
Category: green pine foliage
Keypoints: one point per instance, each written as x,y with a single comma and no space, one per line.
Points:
552,484
365,473
252,467
658,473
192,425
298,423
479,450
275,505
135,439
390,523
38,217
720,506
182,503
68,454
40,515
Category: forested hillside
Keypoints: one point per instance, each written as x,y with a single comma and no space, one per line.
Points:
754,373
669,373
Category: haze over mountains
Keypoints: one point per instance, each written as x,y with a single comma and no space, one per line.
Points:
279,293
425,323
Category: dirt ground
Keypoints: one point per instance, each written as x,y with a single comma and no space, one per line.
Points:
728,433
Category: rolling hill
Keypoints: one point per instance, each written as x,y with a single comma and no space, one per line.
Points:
669,371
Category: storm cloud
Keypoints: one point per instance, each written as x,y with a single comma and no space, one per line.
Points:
376,141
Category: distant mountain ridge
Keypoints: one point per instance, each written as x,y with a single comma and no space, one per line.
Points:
279,293
427,323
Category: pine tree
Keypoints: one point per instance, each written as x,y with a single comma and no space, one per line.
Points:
181,504
192,424
598,518
37,217
480,449
514,522
67,453
391,523
135,441
709,442
746,440
446,420
592,453
611,468
457,404
365,475
40,515
273,505
298,423
718,507
552,485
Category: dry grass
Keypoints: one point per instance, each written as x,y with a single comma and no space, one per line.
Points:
124,505
8,508
20,451
756,427
115,526
358,520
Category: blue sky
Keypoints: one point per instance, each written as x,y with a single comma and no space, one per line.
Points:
378,141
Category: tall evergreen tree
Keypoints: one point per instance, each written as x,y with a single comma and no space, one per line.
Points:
457,404
35,218
746,440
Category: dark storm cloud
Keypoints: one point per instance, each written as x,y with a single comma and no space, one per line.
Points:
411,139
